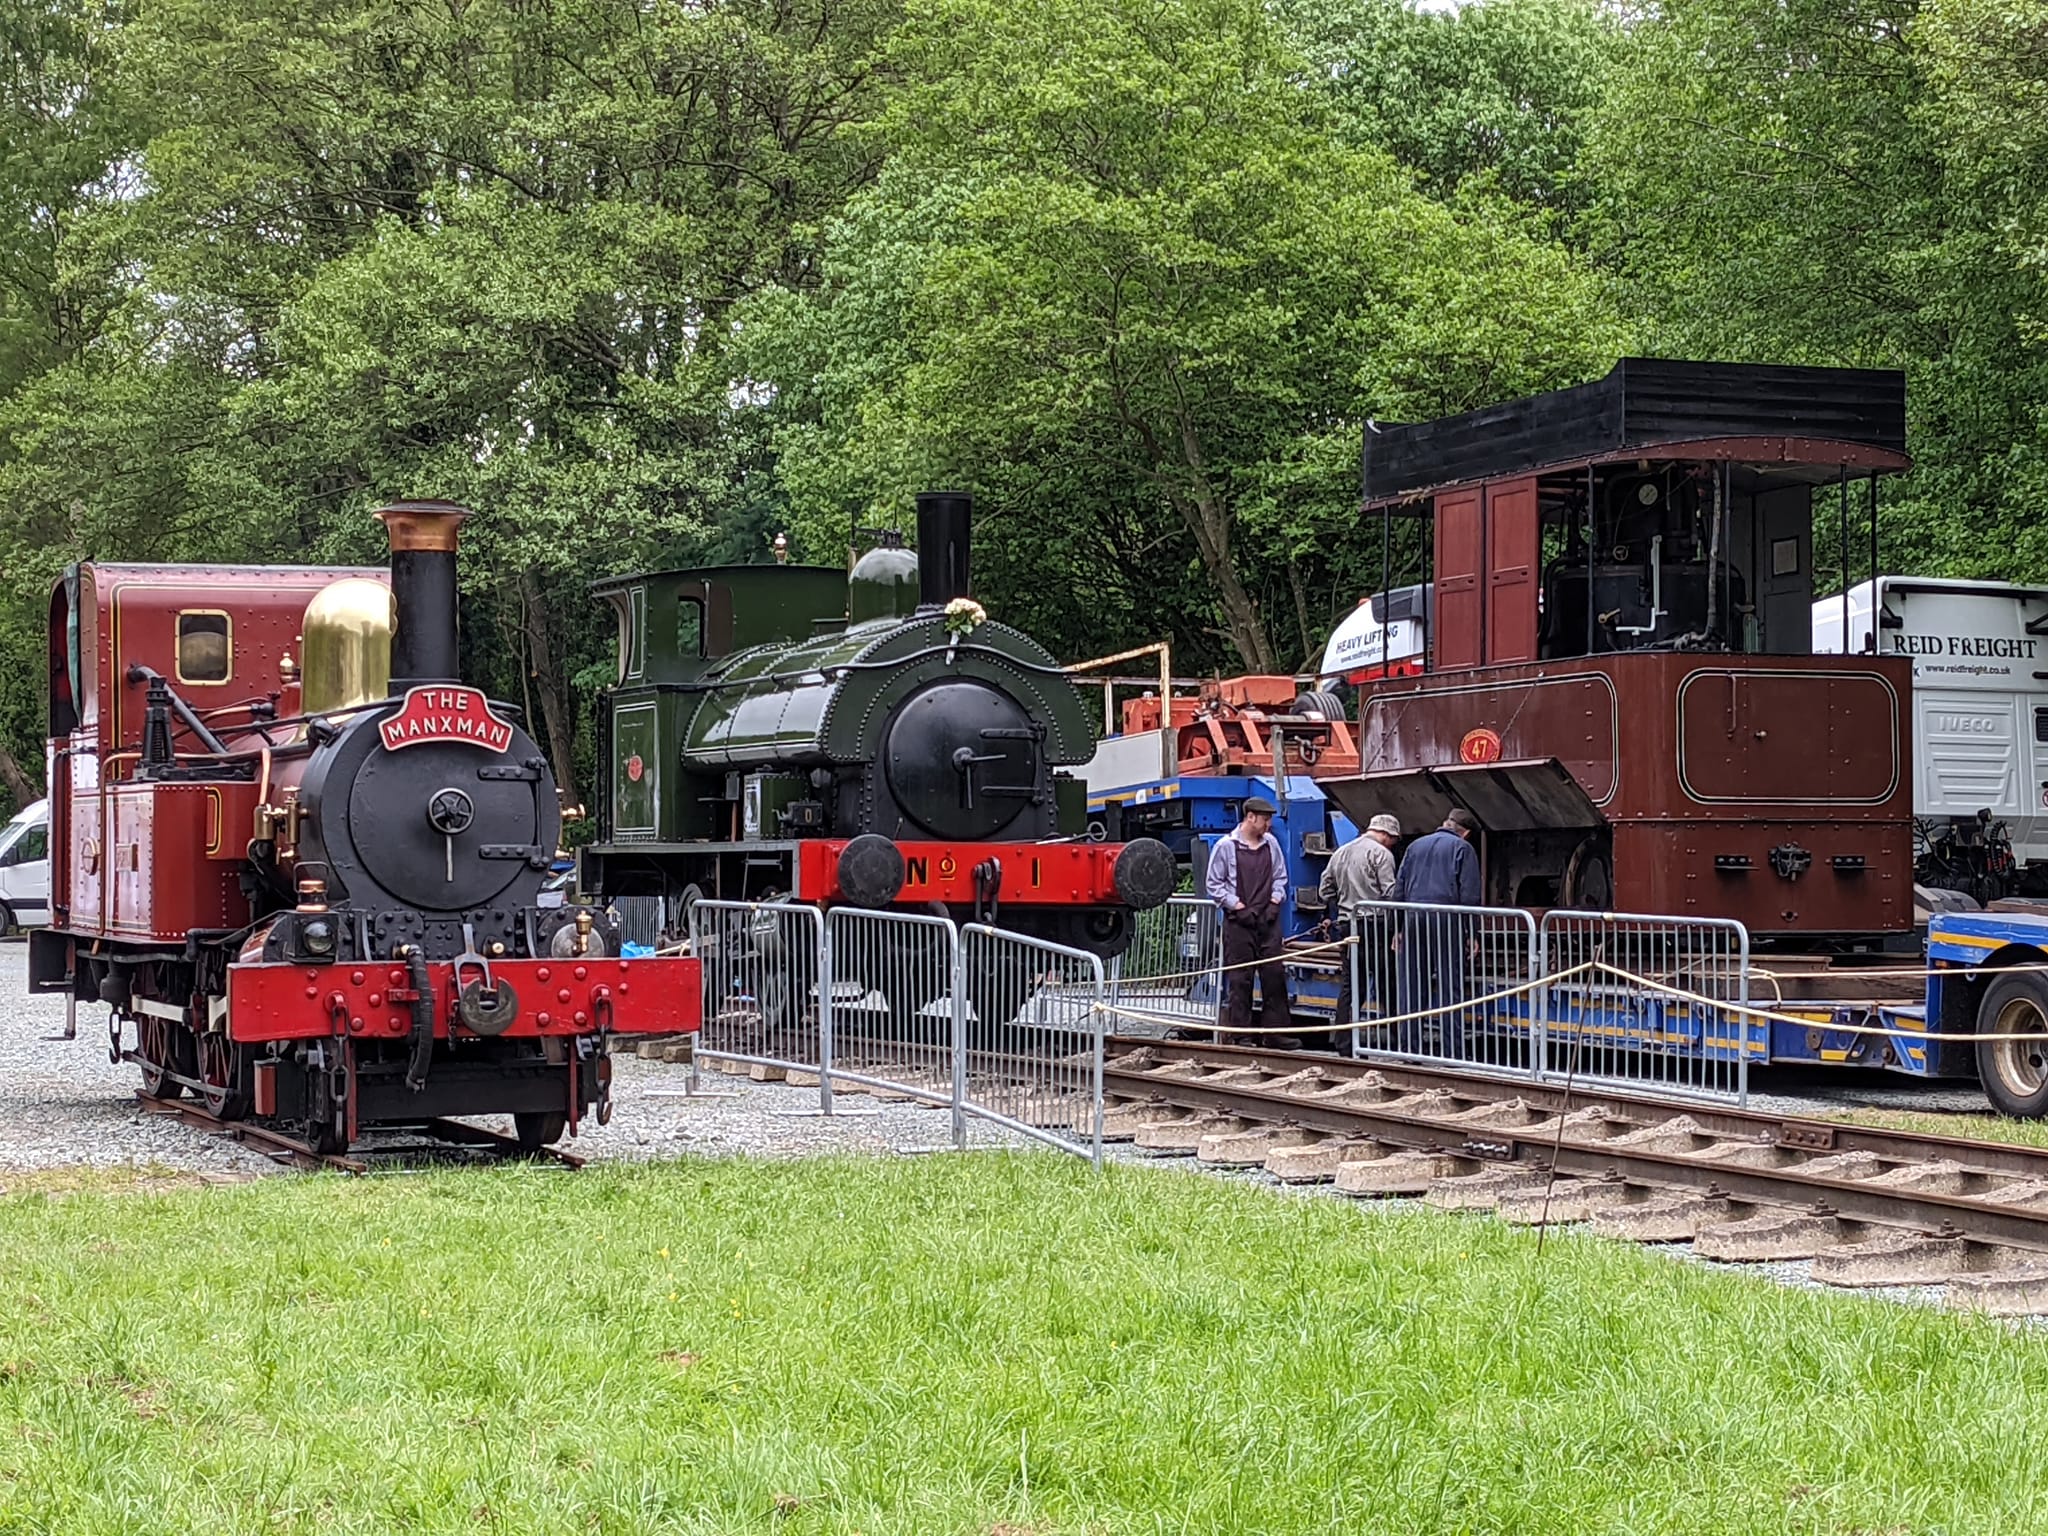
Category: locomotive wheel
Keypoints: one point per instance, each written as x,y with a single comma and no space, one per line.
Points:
1588,882
2014,1072
153,1046
911,977
539,1128
908,1018
220,1070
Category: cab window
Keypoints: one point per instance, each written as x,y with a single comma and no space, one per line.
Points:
689,628
204,652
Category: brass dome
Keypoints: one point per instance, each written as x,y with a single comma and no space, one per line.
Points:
345,660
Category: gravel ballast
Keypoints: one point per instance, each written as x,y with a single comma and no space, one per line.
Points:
64,1104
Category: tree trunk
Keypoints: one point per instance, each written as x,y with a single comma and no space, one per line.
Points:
1185,480
1209,521
1300,589
19,784
550,678
1209,516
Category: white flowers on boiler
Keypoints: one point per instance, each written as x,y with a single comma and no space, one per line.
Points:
963,616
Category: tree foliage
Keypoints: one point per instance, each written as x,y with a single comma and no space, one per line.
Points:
487,252
650,282
1500,94
1850,182
1123,268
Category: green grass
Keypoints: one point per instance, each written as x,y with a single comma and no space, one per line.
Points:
120,1178
2024,1133
976,1345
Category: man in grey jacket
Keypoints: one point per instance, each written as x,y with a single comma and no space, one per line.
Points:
1248,879
1362,871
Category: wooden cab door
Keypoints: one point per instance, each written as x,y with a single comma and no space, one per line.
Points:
1514,551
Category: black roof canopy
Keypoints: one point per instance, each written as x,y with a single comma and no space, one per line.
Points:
1807,423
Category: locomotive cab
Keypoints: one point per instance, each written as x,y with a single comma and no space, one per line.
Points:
1618,680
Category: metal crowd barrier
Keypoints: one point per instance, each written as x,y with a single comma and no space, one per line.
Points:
1008,1030
1002,1028
891,1002
1626,999
1447,984
1030,1056
765,966
1171,970
1658,1002
640,919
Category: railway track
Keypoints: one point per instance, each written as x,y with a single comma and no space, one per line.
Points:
440,1137
1869,1207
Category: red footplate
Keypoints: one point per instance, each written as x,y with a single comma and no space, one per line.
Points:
650,995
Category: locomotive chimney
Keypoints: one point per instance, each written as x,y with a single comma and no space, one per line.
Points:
944,527
423,589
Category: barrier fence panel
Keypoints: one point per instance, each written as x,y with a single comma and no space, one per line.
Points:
1449,984
1656,1002
640,920
1030,1033
1170,972
890,1010
765,969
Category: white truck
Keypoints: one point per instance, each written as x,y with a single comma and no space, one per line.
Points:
25,869
1980,720
1386,635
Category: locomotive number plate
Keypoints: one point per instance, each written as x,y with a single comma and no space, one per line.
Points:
445,713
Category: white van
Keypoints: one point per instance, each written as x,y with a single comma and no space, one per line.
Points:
1980,718
25,869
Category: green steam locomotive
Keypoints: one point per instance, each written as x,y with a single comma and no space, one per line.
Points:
867,738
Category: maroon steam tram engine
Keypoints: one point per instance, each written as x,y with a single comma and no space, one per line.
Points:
1620,685
313,885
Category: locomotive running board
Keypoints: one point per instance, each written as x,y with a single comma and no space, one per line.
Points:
1527,795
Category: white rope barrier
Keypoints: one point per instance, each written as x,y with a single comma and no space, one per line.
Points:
1566,1027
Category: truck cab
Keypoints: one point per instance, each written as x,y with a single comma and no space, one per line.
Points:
1979,651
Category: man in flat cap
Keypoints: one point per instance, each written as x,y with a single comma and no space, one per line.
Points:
1360,872
1248,880
1439,870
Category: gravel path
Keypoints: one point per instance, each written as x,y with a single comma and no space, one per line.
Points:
63,1104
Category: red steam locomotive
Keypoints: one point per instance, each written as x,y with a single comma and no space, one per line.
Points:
313,882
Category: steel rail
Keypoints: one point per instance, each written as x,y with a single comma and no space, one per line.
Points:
290,1150
274,1145
1545,1145
1792,1131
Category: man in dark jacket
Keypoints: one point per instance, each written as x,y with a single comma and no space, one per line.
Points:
1248,879
1438,870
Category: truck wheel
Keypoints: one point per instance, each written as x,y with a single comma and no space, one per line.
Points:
2014,1071
8,926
